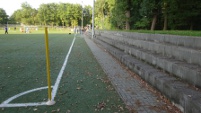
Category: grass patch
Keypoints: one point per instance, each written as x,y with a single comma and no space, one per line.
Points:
169,32
84,87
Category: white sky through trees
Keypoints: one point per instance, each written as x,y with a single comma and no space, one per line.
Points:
11,5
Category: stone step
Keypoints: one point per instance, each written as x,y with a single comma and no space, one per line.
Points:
178,52
185,41
185,71
187,98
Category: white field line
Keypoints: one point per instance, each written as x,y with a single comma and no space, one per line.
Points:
56,85
5,103
23,104
54,91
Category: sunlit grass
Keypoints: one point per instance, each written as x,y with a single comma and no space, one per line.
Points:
169,32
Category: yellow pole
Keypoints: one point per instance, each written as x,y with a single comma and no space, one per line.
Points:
48,65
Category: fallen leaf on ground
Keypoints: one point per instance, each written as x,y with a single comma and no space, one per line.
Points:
35,109
100,105
68,111
78,88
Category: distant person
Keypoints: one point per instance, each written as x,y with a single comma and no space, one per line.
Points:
77,30
27,30
74,29
6,30
15,28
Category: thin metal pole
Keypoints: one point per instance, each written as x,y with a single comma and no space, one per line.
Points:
93,19
82,18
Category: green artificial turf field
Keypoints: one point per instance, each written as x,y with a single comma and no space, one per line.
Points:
84,87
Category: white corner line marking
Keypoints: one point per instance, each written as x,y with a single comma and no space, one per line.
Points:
23,93
54,91
5,103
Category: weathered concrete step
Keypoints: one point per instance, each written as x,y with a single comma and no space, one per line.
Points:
187,98
186,41
178,52
185,71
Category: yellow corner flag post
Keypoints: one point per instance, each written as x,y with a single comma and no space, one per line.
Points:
50,102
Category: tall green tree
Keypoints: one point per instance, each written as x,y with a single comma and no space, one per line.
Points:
25,15
125,13
43,14
99,13
48,14
34,19
3,16
87,15
164,11
151,10
184,15
75,14
118,18
16,16
64,14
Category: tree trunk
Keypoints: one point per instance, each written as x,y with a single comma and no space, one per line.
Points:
52,25
127,19
128,14
164,10
191,26
165,22
154,22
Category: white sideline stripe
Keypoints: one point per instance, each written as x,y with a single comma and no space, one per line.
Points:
54,91
23,104
56,85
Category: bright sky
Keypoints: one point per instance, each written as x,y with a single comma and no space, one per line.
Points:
11,5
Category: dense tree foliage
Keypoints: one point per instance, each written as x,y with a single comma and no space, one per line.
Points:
62,14
150,14
114,14
3,16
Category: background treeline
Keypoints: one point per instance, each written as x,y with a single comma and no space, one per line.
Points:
62,14
3,16
149,14
114,14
